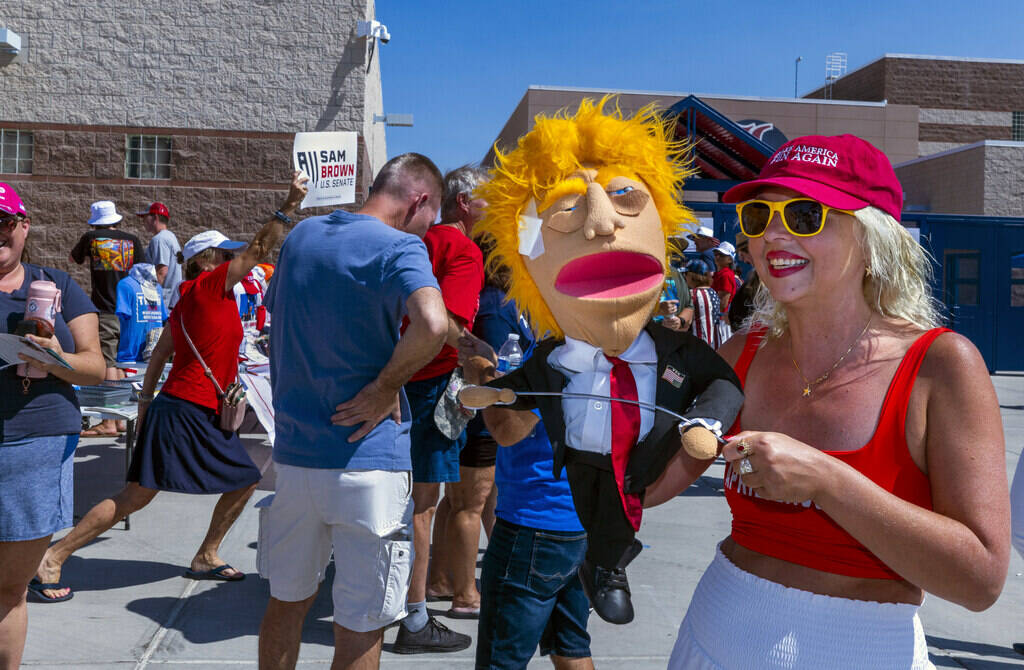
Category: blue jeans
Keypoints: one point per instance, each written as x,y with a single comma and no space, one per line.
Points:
435,458
529,595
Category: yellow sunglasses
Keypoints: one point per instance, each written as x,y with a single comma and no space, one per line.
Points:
802,217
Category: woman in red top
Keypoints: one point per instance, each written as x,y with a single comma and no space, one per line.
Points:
181,446
869,466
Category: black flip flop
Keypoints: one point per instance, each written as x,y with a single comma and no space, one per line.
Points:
36,588
216,574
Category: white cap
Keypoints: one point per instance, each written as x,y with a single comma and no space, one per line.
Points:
209,239
103,213
513,336
703,231
727,249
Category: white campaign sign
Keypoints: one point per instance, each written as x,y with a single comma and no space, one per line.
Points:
329,160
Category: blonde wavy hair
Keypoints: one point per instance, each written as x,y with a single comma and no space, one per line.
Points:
555,148
897,286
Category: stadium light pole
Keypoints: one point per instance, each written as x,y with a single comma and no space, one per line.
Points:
796,75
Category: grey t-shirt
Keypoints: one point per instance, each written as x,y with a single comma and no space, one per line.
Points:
163,250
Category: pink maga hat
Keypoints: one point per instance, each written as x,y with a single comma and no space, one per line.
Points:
10,202
841,171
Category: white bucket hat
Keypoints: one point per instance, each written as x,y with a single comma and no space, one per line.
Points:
103,213
209,239
727,249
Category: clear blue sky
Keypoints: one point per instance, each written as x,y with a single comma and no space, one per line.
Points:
461,67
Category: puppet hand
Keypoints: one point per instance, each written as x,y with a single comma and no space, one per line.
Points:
777,466
699,442
480,397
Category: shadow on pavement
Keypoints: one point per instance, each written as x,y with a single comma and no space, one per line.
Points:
102,574
976,648
232,610
99,473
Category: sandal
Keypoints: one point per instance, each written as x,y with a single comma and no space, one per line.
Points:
36,588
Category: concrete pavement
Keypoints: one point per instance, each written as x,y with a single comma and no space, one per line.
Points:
133,609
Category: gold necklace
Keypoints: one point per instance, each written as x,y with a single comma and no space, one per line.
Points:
809,385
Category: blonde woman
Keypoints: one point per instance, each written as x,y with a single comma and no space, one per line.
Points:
867,465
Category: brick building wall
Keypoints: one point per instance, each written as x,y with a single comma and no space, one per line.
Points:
961,100
228,82
230,181
982,178
949,183
892,128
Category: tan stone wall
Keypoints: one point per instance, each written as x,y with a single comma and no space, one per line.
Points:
1004,180
953,183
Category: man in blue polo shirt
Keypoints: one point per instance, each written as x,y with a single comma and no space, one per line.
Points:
342,285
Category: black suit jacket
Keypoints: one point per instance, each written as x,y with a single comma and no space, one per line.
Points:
709,390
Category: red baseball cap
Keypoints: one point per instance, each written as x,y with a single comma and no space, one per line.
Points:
10,202
156,208
841,171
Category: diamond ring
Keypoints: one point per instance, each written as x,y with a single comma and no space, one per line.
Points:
745,467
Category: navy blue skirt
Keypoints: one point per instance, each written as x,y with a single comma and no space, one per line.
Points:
181,447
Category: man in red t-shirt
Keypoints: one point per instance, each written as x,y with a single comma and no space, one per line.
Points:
459,269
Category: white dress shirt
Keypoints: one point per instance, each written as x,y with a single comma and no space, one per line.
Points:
588,422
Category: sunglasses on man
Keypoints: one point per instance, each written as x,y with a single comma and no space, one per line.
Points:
802,217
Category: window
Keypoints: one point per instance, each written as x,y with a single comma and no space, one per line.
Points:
1017,129
962,275
147,157
1017,279
16,151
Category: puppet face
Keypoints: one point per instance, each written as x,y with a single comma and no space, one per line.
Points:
602,268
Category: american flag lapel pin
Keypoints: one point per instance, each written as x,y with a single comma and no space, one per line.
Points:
672,376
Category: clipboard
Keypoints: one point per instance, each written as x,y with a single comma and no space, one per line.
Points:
11,345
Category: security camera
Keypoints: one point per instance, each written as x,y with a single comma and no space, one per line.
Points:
373,29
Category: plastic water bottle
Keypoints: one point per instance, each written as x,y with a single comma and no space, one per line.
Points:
510,356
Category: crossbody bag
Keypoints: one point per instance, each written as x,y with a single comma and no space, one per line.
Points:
232,400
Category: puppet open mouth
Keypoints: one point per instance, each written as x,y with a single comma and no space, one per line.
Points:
611,274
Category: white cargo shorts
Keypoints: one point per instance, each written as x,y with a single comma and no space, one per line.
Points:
365,516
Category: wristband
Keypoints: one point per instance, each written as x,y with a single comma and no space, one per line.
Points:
281,216
146,397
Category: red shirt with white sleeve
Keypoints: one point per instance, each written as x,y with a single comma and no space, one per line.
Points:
458,266
211,318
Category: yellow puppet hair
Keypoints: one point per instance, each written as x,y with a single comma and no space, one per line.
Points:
558,146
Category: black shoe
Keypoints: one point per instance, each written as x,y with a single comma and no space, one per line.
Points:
1018,647
435,637
608,591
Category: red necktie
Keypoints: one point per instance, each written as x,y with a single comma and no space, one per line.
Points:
625,433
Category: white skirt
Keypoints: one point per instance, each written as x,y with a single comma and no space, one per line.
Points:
738,621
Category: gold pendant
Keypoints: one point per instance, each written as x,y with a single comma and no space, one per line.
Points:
807,391
25,384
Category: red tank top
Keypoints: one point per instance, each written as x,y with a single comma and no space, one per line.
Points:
800,532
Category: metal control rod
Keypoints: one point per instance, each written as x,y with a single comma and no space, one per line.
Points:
592,396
